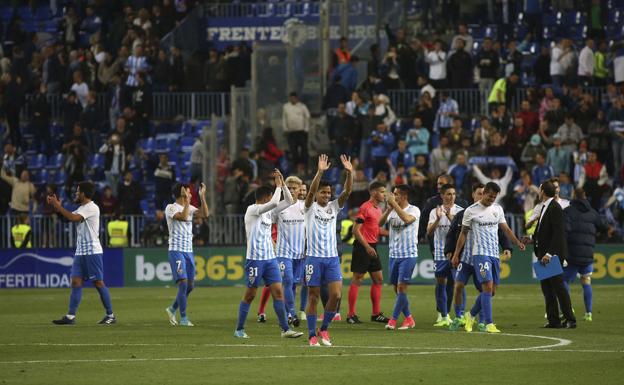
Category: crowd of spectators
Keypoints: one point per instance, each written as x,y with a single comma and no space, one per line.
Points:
564,127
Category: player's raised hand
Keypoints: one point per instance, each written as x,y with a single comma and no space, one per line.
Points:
279,178
439,211
202,190
346,162
53,201
323,163
187,194
390,198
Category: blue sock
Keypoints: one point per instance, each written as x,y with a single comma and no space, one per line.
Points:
304,298
476,308
280,310
243,310
105,297
327,318
463,304
289,299
181,297
486,304
441,299
406,307
74,300
311,318
399,304
458,311
450,291
189,289
587,296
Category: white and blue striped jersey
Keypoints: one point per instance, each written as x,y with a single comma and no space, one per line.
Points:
258,222
291,234
403,241
321,229
484,222
88,230
180,232
466,256
439,235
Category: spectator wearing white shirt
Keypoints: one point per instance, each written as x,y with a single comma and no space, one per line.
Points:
586,64
437,65
495,176
296,123
80,88
556,71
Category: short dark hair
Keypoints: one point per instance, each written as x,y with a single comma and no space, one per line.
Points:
293,94
177,189
579,193
476,186
375,185
491,186
262,191
554,179
404,189
549,189
446,187
324,183
87,188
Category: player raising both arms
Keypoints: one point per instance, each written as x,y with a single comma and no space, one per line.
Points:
179,216
403,221
88,257
322,265
261,263
483,219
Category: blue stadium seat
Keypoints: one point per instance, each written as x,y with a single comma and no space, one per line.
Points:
25,13
187,128
43,13
161,144
578,32
337,189
476,31
6,13
97,161
37,162
186,159
144,206
369,173
149,145
333,175
186,143
172,145
50,26
55,161
60,177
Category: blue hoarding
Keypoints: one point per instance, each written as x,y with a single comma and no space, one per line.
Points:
43,268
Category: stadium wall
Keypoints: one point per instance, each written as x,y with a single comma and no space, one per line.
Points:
224,266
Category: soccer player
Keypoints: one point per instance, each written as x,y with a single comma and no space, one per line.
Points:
261,263
365,258
439,224
291,245
483,219
402,219
179,215
88,256
298,274
322,261
463,266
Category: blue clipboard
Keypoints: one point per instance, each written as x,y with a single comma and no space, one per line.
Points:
548,270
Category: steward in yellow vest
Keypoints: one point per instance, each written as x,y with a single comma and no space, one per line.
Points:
21,235
117,233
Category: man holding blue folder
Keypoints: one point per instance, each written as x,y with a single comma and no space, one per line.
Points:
550,241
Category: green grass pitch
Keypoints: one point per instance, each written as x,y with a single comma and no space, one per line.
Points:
144,349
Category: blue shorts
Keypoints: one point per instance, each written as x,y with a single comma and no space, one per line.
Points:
182,265
570,271
88,267
486,269
322,271
401,270
298,266
464,272
443,268
286,269
266,270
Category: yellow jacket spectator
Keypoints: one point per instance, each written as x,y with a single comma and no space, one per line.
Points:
118,233
21,234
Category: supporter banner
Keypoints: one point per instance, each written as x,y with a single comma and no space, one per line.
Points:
221,32
21,268
218,266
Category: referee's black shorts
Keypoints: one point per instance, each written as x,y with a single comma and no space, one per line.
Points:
361,262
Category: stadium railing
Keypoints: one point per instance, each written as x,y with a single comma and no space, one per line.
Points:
471,101
165,105
286,8
49,231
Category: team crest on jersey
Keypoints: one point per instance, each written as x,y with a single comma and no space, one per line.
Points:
483,273
329,211
308,277
495,215
252,279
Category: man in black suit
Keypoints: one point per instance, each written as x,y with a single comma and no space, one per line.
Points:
550,239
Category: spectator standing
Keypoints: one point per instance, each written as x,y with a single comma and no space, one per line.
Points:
342,131
80,88
516,138
529,116
381,143
513,59
532,148
71,113
130,194
615,118
601,70
487,62
570,133
460,171
541,68
558,158
441,157
136,63
114,160
164,178
459,66
342,54
91,122
417,139
541,172
447,111
336,94
586,63
347,75
22,193
401,156
40,108
462,34
390,69
503,91
495,176
593,179
12,102
197,158
107,202
296,124
436,59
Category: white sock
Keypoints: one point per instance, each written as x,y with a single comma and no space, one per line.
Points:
70,316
